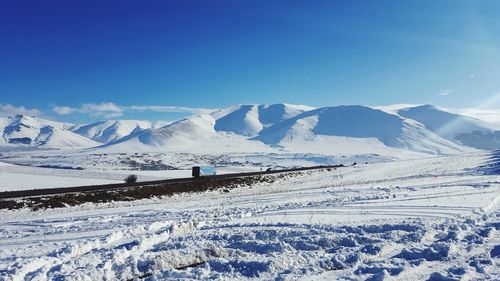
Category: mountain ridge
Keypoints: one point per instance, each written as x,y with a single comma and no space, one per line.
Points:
268,128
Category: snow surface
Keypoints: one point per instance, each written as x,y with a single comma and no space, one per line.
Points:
14,177
23,177
425,219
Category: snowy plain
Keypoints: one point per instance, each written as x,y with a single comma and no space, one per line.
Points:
400,213
435,218
40,169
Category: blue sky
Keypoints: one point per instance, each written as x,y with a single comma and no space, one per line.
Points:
85,60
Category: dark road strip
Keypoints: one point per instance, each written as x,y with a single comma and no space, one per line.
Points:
104,187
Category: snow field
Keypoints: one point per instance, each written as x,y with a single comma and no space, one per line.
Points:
426,219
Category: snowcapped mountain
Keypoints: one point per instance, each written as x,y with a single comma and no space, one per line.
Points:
107,131
20,130
458,128
193,134
249,120
394,131
328,130
223,130
344,128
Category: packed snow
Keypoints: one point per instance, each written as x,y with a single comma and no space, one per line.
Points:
428,219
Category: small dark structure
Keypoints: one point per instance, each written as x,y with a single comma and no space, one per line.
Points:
196,171
200,171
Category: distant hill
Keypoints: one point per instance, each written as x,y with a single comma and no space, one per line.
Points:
107,131
20,130
292,128
396,131
461,129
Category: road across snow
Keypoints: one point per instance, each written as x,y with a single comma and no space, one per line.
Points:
426,219
16,177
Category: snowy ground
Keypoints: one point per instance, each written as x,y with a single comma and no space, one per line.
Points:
38,169
427,219
15,177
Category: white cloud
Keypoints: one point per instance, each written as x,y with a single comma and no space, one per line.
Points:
106,109
445,92
9,109
174,109
111,110
102,108
63,110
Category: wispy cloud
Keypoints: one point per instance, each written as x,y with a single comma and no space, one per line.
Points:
173,109
107,110
110,110
63,110
445,92
9,109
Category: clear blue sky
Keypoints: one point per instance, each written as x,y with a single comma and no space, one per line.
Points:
212,54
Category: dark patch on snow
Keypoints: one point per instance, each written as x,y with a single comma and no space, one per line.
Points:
245,268
256,247
437,251
479,264
495,252
437,276
25,140
492,165
376,268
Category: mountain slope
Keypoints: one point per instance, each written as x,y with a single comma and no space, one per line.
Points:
458,128
353,124
329,130
223,130
111,130
193,134
20,130
249,120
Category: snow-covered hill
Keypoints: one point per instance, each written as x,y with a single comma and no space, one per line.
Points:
224,130
282,127
398,131
193,134
26,131
107,131
355,128
249,120
458,128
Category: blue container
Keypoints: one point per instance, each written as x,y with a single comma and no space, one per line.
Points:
200,171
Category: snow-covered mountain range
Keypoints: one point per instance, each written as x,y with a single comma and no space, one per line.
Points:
107,131
21,130
423,129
